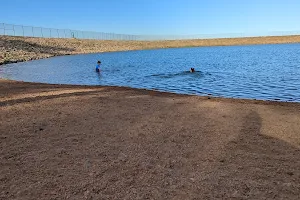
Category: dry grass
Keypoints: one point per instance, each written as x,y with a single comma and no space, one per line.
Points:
18,49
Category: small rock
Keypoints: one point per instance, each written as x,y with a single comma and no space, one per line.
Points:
192,179
122,157
290,173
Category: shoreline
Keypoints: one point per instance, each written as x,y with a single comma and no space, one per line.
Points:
19,49
158,92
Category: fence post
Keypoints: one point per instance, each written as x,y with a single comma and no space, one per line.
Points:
14,30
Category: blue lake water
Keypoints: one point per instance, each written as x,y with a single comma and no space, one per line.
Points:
267,72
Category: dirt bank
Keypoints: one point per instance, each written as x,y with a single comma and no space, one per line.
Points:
76,142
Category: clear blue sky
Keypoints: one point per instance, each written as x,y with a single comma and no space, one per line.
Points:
172,17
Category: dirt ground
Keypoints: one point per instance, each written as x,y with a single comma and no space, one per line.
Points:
76,142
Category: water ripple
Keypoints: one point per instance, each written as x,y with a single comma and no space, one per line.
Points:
268,72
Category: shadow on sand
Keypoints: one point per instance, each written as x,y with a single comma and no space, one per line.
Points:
257,166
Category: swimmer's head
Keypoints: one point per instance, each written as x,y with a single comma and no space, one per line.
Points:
192,69
99,62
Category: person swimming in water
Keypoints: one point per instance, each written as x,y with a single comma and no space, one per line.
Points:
98,66
192,70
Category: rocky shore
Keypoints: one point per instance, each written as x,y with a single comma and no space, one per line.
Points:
18,49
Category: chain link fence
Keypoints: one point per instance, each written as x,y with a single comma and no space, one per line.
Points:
30,31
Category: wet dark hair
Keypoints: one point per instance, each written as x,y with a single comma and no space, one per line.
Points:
99,62
192,69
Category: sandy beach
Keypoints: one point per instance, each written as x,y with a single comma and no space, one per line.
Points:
79,142
18,49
